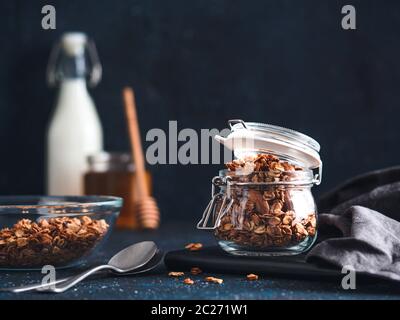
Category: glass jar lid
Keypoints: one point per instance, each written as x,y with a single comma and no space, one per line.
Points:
110,161
251,137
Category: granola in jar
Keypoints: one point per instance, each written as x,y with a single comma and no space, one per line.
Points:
262,204
263,213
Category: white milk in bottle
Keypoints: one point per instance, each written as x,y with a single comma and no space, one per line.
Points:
75,130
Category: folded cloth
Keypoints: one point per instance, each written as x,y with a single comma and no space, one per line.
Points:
376,190
362,230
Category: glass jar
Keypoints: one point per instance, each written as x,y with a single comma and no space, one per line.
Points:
114,174
262,204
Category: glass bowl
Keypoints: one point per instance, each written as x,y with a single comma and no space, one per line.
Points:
53,230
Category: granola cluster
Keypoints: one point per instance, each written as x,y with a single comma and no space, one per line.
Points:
262,168
194,246
55,241
264,216
252,277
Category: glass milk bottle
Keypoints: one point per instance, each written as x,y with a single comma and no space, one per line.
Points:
75,130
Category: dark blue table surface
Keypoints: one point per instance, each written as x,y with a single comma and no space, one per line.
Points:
158,285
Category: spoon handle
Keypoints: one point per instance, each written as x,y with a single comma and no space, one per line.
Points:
50,286
70,282
32,287
42,286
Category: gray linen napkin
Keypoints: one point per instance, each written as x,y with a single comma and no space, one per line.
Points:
362,228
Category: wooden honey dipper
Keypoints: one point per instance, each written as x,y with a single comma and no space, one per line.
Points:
148,214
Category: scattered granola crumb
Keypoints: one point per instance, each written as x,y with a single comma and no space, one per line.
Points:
194,246
176,274
195,271
252,277
213,279
188,281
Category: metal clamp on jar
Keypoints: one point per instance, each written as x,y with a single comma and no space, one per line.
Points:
262,204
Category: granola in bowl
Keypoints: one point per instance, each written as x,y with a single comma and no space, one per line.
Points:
57,231
53,241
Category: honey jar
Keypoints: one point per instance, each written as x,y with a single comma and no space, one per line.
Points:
114,174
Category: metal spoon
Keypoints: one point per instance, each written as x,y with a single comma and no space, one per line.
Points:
126,261
152,264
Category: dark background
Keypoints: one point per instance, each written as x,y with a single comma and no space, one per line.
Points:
201,63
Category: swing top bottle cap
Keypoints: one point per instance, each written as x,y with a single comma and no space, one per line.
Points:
74,43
